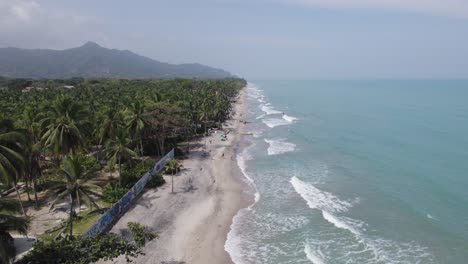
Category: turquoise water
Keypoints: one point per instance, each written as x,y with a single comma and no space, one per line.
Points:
355,172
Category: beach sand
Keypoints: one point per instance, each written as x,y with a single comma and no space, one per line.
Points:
192,223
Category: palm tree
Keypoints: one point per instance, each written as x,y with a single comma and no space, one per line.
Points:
32,150
11,154
75,187
64,125
173,166
110,123
166,120
206,108
32,167
136,121
117,150
8,223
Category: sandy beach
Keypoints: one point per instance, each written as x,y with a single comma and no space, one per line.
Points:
193,222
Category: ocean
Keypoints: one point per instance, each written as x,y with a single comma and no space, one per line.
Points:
354,172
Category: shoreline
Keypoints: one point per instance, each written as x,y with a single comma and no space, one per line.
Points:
193,223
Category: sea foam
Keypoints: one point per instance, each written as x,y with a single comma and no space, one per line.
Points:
318,199
242,159
233,241
290,119
274,122
268,109
279,146
362,248
313,257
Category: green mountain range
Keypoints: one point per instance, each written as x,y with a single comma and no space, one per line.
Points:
92,60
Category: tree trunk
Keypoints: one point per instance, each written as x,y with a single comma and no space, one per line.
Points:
120,173
98,152
188,143
27,189
172,181
19,198
35,192
71,216
141,146
205,132
161,146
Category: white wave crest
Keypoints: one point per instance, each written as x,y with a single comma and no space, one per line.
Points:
318,199
242,159
274,122
233,241
279,146
260,116
314,258
362,248
290,119
254,92
336,221
431,217
269,110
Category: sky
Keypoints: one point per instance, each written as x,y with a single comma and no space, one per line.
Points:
259,39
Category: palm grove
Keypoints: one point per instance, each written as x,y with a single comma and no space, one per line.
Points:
56,140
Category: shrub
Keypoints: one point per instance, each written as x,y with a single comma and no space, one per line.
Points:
113,192
89,250
131,175
140,234
81,250
89,163
156,180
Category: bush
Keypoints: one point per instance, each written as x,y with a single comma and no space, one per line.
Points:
131,175
81,250
113,192
89,250
89,163
156,180
140,233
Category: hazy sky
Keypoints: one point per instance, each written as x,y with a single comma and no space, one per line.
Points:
309,39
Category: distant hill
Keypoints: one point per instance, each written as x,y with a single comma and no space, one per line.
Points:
92,60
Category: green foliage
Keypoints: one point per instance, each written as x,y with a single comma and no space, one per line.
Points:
89,250
131,175
18,84
89,163
81,250
140,234
156,180
113,192
173,166
75,188
7,247
8,223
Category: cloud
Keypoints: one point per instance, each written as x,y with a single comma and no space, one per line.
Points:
16,11
454,8
28,24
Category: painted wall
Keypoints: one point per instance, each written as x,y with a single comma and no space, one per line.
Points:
118,209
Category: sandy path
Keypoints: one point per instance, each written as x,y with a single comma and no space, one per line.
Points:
193,223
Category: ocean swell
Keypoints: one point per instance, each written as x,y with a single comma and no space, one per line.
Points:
279,146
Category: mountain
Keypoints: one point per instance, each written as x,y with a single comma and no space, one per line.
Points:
92,60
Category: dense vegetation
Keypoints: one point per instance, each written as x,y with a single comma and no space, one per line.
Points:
58,140
90,250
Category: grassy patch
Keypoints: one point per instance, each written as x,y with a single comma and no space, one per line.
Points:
82,225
